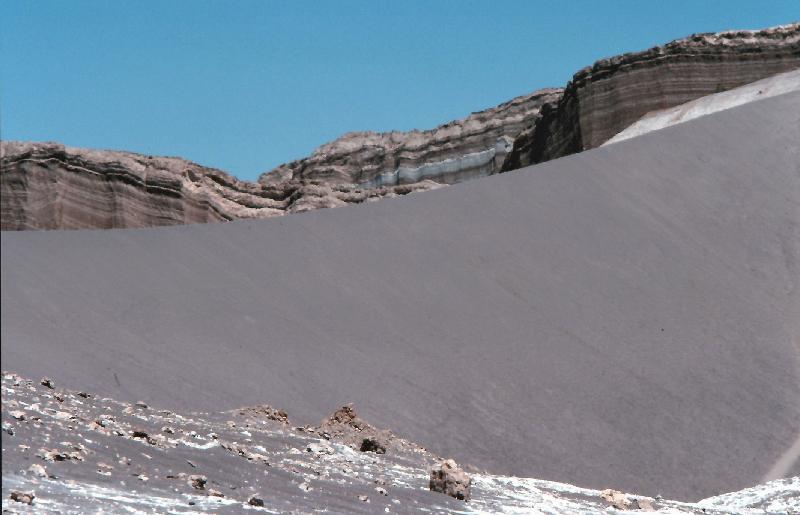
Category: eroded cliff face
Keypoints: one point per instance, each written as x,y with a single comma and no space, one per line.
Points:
50,186
463,149
605,98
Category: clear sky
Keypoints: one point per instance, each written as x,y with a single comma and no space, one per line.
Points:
246,85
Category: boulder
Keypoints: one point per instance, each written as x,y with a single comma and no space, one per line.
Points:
448,478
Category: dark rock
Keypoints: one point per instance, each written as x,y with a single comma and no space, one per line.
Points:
198,482
373,444
48,383
255,501
23,497
451,480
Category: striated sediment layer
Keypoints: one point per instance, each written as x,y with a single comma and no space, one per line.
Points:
474,146
605,98
51,186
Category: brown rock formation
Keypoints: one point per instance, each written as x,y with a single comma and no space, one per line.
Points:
50,186
462,149
605,98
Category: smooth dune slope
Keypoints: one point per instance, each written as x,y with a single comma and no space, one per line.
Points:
627,317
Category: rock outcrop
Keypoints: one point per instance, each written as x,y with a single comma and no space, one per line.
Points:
471,147
51,186
605,98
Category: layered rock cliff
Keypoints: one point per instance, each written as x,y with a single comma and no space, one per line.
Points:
51,186
605,98
462,149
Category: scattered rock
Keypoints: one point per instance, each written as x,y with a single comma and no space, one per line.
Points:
18,415
63,415
84,395
141,405
451,480
319,448
48,383
38,470
215,493
363,498
263,411
373,444
381,490
255,501
53,455
23,497
197,481
642,504
138,433
616,499
345,415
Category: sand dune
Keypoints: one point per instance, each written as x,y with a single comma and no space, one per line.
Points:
625,317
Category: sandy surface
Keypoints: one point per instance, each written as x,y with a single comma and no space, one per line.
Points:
626,317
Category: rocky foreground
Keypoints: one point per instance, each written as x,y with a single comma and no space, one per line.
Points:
52,186
72,452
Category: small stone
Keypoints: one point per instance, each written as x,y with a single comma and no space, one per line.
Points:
63,415
451,480
215,493
305,487
17,414
616,499
141,405
318,448
52,455
363,498
48,383
23,497
198,482
138,433
38,470
381,490
642,504
255,501
84,395
168,430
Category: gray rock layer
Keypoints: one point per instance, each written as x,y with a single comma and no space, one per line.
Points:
605,98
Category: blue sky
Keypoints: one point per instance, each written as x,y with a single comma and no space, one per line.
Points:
247,85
